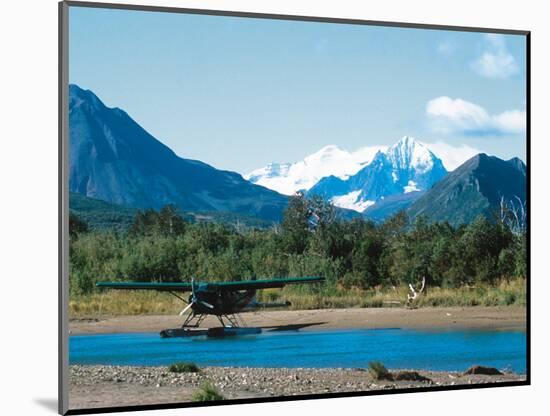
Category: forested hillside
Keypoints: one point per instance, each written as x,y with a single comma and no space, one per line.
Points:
311,240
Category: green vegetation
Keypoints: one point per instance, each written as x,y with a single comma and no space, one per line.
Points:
104,216
207,393
184,368
76,225
365,264
116,302
100,215
378,371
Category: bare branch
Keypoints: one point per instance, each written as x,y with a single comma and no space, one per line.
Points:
414,294
513,214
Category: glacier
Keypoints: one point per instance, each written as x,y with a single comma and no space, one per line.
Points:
352,201
288,178
406,167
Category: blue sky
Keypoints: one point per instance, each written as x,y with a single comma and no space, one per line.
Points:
239,93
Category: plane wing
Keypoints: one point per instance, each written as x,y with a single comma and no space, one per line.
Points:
221,286
160,286
264,284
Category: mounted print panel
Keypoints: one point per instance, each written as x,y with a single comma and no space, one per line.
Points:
264,208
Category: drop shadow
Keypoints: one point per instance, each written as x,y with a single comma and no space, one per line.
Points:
291,327
48,404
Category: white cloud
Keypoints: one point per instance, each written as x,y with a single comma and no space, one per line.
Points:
512,121
448,115
452,156
495,61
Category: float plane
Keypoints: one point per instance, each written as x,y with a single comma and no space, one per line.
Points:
224,300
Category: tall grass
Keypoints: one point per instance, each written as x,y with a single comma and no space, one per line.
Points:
506,293
378,371
503,294
124,303
207,393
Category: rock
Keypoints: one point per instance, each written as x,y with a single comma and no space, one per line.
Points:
478,369
269,381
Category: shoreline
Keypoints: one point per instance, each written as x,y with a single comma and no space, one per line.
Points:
475,317
107,386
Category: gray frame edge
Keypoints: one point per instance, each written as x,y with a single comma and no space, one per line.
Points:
63,210
289,17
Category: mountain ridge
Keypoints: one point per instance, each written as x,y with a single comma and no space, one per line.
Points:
474,188
114,159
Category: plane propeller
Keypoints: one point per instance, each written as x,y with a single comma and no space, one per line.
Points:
194,299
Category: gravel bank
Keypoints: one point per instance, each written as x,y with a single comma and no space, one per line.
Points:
505,317
100,386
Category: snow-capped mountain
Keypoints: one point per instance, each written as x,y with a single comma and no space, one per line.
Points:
407,166
287,178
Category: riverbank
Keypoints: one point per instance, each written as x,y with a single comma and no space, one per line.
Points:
119,303
104,386
498,317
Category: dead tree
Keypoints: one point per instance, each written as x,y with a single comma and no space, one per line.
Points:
413,294
513,214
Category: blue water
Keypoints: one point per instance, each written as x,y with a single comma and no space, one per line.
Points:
454,350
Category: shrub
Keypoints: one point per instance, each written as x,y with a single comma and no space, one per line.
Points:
206,393
184,368
378,371
410,376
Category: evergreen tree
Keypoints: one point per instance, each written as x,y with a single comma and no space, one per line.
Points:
76,226
170,222
295,224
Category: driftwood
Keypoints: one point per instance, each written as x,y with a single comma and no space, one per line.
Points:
414,294
410,376
391,302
